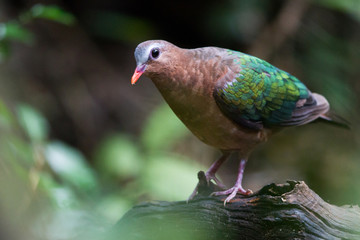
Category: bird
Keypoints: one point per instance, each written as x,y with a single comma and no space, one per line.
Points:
229,100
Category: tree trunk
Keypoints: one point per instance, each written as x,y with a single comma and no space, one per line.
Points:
278,211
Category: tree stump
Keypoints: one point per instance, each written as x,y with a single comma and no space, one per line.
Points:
277,211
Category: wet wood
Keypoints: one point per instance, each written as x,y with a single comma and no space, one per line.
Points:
278,211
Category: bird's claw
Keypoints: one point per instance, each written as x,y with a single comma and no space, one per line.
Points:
232,193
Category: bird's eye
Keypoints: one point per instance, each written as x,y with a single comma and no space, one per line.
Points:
155,53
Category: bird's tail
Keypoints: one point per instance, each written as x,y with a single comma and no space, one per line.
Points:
333,119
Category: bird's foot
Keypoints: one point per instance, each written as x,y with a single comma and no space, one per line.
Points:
208,177
232,193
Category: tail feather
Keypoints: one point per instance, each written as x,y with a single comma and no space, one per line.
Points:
315,109
308,111
333,119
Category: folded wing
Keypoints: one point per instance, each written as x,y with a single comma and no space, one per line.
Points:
260,95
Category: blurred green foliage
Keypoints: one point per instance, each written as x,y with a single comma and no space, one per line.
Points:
11,31
15,30
34,124
148,165
162,130
53,13
117,26
333,66
61,175
351,7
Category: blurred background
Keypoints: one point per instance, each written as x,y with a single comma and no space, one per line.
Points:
79,146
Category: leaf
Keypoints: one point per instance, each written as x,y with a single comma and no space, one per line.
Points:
32,121
18,150
14,31
118,156
70,165
170,177
162,129
113,206
351,7
53,13
6,117
63,196
4,50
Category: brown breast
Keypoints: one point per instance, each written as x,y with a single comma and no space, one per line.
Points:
188,89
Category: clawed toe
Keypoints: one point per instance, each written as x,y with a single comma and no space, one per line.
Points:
232,190
205,180
232,193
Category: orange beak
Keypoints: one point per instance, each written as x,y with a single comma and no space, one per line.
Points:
138,72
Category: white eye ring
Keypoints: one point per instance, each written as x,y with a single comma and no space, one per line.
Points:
155,53
143,54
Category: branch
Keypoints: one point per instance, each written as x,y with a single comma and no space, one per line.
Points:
278,211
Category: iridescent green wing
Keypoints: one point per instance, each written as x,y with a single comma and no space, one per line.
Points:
259,94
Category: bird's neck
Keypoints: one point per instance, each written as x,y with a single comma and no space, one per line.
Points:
189,86
192,72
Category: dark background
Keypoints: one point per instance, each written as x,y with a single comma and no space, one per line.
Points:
78,78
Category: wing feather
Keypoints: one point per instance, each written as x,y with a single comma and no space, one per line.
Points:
260,95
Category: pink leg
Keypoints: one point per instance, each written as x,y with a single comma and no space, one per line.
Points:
210,173
237,188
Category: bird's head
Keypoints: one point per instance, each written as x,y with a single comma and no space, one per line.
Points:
152,57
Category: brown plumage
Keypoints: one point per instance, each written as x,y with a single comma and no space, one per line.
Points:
189,81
